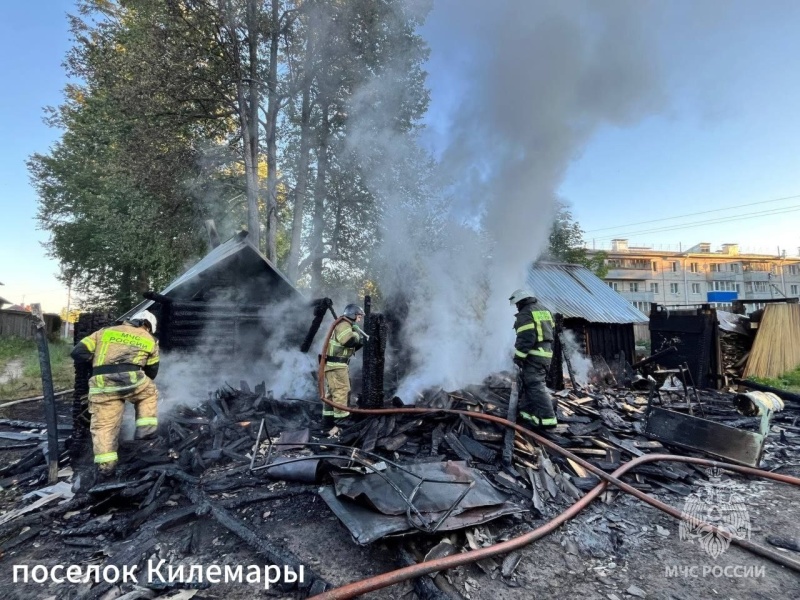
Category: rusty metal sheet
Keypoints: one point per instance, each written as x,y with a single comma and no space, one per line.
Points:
694,433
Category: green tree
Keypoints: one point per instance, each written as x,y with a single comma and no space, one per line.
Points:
567,244
241,111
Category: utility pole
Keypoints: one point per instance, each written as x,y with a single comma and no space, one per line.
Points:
66,319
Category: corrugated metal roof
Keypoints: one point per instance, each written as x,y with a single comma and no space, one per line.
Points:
575,292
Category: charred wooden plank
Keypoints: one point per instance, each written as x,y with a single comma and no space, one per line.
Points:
477,449
510,434
252,497
393,443
154,491
436,439
274,554
424,587
371,436
457,447
20,539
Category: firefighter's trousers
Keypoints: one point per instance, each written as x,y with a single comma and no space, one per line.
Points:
536,401
338,383
107,409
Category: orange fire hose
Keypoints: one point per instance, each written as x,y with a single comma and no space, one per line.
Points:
380,581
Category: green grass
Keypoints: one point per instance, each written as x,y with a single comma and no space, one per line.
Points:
788,381
29,383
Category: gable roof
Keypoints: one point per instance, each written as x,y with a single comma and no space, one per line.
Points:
575,292
237,256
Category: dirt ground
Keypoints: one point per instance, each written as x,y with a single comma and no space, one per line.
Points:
612,551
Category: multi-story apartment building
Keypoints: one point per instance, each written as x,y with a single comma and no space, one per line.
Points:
698,275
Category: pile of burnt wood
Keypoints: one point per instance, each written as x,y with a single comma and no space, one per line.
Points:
384,475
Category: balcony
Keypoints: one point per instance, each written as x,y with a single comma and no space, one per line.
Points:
723,276
757,275
631,274
637,296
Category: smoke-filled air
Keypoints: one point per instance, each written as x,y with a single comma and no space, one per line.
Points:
519,89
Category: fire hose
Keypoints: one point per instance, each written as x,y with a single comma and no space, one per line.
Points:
386,579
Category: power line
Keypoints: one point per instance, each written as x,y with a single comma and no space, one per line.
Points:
709,222
703,212
766,213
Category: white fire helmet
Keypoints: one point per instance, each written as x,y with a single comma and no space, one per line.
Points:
519,295
146,315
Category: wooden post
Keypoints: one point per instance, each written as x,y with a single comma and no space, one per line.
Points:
508,441
47,392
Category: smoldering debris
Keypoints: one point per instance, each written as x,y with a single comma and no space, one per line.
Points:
213,460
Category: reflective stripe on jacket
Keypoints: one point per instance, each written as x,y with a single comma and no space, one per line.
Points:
534,329
342,344
118,345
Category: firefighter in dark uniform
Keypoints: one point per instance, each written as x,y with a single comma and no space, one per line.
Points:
533,352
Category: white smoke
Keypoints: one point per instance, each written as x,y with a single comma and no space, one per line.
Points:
187,377
519,88
581,364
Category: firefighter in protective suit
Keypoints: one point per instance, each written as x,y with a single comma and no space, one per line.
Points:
124,363
533,351
343,342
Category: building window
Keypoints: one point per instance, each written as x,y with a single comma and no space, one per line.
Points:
757,287
673,287
735,267
695,288
655,266
715,267
642,306
694,267
613,285
654,288
633,286
738,288
793,291
674,266
723,286
793,270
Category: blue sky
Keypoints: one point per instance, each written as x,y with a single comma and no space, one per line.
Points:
727,133
33,42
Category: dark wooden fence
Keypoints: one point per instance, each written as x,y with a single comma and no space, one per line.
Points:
18,323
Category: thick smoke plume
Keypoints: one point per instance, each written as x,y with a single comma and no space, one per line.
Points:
271,356
518,88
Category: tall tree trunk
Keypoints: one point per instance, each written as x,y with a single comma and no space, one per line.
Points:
248,127
320,189
272,125
293,261
250,170
251,130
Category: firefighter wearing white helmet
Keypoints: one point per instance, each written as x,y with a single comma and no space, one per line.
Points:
533,351
124,363
343,342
